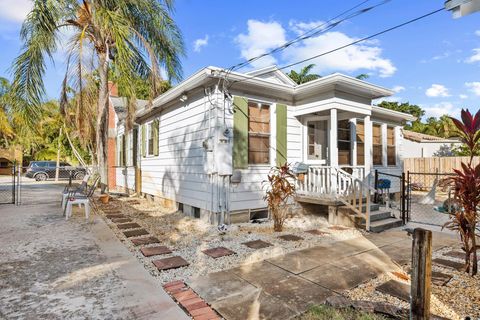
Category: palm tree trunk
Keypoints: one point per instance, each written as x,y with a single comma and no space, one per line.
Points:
102,122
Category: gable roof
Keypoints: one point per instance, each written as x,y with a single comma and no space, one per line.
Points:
284,89
270,72
422,137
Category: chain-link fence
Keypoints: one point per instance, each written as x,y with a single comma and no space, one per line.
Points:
7,184
429,197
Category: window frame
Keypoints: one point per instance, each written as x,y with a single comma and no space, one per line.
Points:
269,135
148,138
381,164
305,143
394,146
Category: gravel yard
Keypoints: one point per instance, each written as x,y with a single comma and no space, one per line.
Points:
188,237
459,298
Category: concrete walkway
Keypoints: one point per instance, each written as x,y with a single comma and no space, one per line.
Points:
56,269
283,287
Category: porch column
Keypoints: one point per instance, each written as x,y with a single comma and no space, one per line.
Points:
384,145
368,145
333,145
353,141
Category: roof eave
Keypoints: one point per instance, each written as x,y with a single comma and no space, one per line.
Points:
393,113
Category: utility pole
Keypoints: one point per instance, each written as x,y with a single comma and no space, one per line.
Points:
57,168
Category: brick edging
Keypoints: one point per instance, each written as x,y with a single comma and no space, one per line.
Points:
190,301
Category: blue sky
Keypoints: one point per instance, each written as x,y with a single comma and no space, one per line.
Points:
434,62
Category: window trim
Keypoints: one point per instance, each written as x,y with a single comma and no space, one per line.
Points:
305,122
272,127
394,131
381,144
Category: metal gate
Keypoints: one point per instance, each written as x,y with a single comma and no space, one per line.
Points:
429,198
8,183
391,191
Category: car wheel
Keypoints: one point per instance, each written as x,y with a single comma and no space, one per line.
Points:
79,176
41,177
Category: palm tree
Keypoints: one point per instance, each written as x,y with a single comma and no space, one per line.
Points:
6,130
135,38
362,76
304,75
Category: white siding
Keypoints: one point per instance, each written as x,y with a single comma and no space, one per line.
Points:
125,176
178,173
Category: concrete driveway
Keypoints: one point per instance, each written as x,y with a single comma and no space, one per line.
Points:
56,269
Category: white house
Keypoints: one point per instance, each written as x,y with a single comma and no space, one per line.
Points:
419,145
207,144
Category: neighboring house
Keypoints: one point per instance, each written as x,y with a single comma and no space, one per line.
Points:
8,158
206,145
419,145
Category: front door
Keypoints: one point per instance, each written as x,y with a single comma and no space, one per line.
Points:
317,141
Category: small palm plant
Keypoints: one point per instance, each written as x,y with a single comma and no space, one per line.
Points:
466,185
280,189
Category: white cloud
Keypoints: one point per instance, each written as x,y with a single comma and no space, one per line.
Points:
463,96
477,33
261,38
439,109
437,90
302,27
15,10
398,89
475,57
474,87
356,57
200,43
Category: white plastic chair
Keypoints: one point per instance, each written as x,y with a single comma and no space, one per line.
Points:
81,200
80,189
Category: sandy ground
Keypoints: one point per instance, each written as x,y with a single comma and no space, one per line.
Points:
56,269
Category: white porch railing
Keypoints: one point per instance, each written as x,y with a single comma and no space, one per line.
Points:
334,182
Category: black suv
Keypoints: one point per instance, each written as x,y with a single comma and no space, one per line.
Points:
43,170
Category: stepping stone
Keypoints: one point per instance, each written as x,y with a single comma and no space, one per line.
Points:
449,264
128,226
115,216
440,279
395,289
144,241
135,233
121,220
257,244
133,202
218,252
153,251
338,228
317,232
290,237
170,263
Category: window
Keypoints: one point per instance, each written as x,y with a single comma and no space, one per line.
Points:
360,143
391,153
317,140
150,139
121,150
258,133
344,146
377,145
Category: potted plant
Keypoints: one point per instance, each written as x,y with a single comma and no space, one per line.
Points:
466,185
280,189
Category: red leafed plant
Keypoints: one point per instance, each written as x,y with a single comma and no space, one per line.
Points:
280,189
466,185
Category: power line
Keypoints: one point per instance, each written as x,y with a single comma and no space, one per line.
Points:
329,24
349,44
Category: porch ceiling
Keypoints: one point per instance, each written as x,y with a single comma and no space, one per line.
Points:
341,105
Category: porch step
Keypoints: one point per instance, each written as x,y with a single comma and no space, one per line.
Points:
382,225
373,207
375,216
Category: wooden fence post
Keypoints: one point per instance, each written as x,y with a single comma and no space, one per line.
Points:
421,274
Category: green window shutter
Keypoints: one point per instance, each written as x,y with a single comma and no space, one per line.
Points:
144,141
123,151
281,134
155,128
240,133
